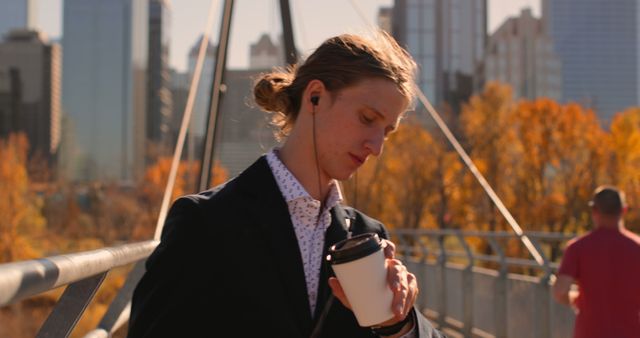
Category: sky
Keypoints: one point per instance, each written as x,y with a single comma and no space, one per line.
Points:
313,22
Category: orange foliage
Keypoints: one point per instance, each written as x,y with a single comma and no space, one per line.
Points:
154,183
562,152
399,187
542,158
20,215
486,122
625,141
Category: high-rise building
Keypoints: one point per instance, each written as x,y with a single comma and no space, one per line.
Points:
245,132
265,54
17,14
385,19
30,90
104,87
598,44
10,100
197,127
201,104
179,85
159,102
520,54
447,39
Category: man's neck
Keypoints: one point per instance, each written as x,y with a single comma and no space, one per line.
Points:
302,164
610,223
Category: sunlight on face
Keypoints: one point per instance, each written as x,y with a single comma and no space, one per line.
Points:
357,124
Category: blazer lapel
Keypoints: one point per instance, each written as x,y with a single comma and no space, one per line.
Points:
272,216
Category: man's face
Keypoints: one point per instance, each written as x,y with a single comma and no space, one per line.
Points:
356,124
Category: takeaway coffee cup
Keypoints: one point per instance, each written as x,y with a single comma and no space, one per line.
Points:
359,266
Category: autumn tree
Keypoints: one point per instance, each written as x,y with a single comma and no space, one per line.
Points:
406,187
22,228
543,160
20,215
153,186
625,150
563,152
486,124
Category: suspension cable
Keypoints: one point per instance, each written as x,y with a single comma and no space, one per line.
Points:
186,118
468,162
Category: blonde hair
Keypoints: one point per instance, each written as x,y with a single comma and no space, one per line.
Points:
339,62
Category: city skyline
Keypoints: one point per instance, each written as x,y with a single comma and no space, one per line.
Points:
187,22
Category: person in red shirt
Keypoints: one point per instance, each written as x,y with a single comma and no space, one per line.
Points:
605,264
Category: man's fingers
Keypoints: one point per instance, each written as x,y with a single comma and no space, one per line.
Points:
336,288
389,249
413,292
398,281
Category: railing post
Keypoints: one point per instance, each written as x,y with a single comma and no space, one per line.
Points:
467,288
424,270
70,307
122,301
500,292
402,249
542,308
442,267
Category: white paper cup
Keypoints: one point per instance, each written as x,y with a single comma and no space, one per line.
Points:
359,264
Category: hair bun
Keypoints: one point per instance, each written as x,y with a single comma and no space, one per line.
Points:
270,92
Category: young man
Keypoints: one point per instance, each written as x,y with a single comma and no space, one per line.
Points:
247,259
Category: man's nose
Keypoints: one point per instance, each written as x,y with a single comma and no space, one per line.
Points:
375,143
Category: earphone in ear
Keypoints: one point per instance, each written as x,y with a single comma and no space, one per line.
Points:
314,100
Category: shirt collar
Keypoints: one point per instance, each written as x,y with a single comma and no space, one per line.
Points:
292,189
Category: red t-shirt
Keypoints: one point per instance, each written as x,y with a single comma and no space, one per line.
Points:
606,266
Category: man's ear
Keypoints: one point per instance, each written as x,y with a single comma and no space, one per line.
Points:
313,94
625,209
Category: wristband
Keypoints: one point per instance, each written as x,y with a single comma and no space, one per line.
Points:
393,328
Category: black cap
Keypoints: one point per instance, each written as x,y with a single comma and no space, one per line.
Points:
354,248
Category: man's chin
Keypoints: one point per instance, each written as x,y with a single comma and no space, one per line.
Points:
345,176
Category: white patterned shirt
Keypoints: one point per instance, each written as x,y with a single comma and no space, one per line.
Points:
309,228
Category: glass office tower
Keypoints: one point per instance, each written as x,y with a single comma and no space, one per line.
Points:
159,102
447,39
597,42
105,47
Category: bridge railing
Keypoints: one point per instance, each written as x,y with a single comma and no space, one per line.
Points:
456,293
462,296
82,273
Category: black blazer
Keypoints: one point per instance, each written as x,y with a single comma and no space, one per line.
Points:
229,264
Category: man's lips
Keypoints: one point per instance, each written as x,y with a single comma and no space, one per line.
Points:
359,160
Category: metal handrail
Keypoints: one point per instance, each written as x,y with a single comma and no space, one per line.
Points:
491,237
25,279
453,288
477,233
82,273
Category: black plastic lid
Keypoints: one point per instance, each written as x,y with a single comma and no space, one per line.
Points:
354,248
